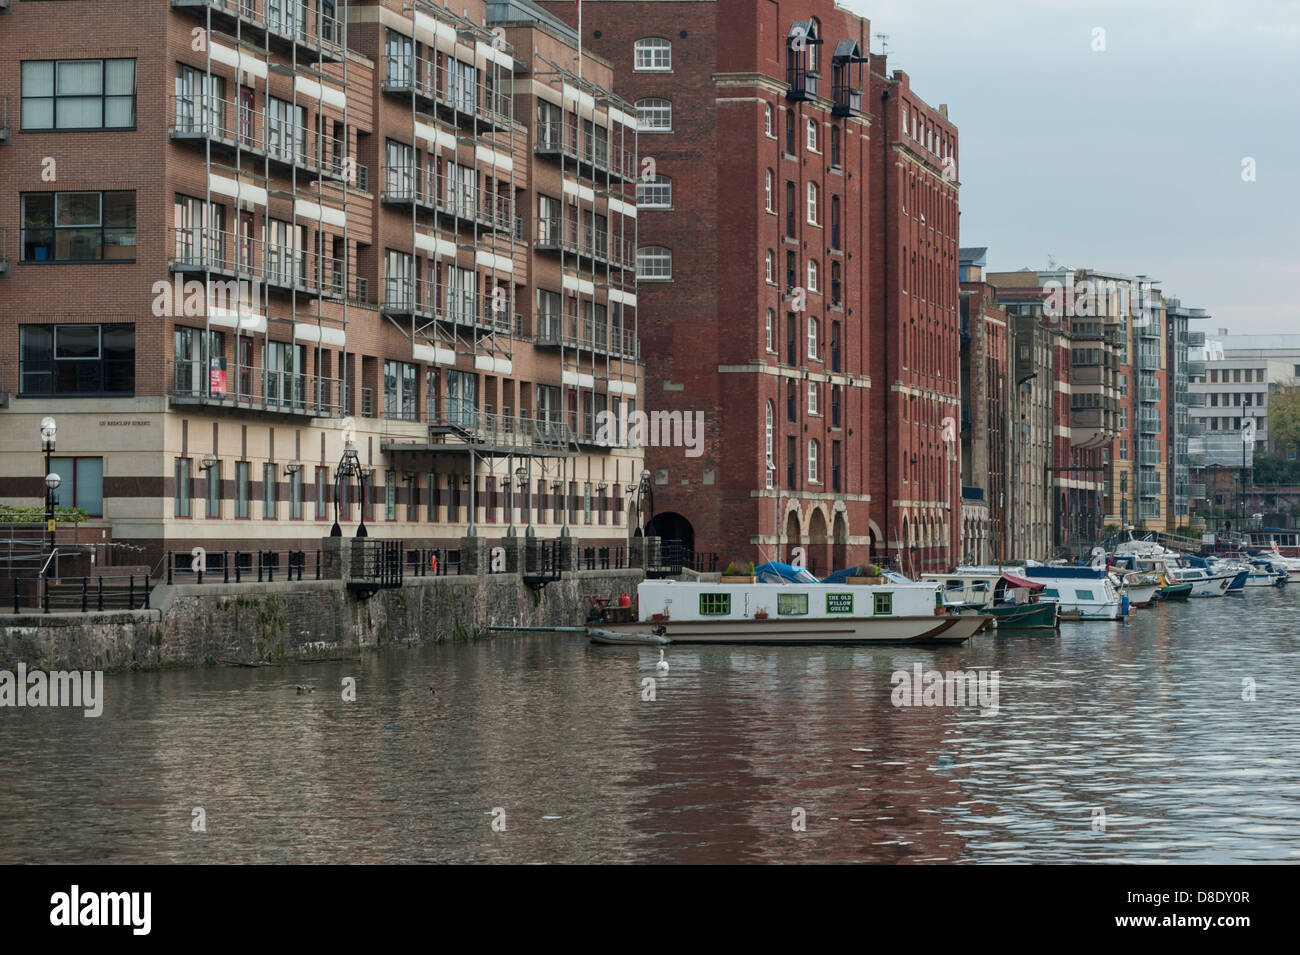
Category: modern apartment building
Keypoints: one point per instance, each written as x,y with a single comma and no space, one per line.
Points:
267,256
1181,406
986,389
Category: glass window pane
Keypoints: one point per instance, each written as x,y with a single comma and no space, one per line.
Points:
79,77
119,342
78,244
65,469
90,485
79,112
119,112
78,208
119,76
38,210
38,113
76,341
119,209
38,78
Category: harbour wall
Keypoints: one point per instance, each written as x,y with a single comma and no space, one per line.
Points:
252,623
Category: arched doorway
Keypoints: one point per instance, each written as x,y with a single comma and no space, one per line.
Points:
840,543
875,552
793,535
673,527
818,550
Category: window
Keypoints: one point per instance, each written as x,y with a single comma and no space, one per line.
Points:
200,102
812,463
715,605
769,269
78,227
837,284
295,497
654,263
181,487
767,128
283,365
655,195
835,147
654,116
400,391
213,494
769,200
883,604
814,280
193,352
812,135
769,443
812,337
771,330
390,495
812,397
286,129
76,359
78,94
268,492
83,484
412,498
652,54
462,398
791,604
322,493
812,204
241,489
1084,595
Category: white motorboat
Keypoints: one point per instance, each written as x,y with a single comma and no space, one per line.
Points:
1083,593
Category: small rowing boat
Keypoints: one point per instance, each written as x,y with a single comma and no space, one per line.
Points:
600,635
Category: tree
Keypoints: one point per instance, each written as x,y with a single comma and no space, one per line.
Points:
1284,419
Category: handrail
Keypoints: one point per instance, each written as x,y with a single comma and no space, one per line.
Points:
54,552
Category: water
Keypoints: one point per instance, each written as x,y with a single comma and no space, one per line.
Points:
1143,721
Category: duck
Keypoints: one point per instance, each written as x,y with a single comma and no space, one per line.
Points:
304,689
662,666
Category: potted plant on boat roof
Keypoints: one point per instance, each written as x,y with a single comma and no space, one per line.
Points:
734,576
868,575
760,613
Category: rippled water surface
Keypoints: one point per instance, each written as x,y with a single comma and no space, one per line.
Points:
1141,721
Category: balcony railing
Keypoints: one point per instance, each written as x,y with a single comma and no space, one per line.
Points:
292,20
1194,492
1150,458
555,233
200,117
1149,486
555,138
1148,423
256,388
404,185
448,88
1196,339
284,267
1196,369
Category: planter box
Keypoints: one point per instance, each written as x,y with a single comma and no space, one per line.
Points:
739,580
868,581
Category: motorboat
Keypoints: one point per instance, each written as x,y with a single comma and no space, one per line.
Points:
1083,593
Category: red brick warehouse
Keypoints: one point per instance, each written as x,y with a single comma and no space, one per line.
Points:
801,298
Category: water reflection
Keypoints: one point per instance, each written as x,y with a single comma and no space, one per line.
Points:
1143,721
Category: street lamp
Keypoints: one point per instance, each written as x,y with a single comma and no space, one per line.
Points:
52,480
349,464
521,479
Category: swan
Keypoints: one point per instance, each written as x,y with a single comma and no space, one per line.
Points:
662,666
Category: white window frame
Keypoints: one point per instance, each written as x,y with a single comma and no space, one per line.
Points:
658,58
655,195
657,108
813,474
813,211
814,276
770,266
812,398
769,121
812,337
769,190
771,331
812,137
644,253
769,442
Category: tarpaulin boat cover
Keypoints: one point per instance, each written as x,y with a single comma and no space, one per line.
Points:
774,572
1015,581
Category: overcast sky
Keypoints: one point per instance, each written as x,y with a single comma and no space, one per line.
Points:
1128,160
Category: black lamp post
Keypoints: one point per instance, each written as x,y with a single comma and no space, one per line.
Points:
349,464
52,480
521,479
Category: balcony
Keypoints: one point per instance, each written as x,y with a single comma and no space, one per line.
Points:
1195,429
1149,391
279,267
280,23
1194,492
1149,510
1196,339
1148,359
556,234
250,388
972,494
232,127
406,186
1195,399
556,141
461,97
1148,423
1149,457
1149,486
1196,369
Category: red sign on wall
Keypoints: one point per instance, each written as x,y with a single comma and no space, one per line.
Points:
217,376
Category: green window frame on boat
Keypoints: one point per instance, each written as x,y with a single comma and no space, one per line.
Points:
791,604
882,604
715,605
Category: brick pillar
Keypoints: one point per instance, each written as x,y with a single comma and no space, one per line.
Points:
474,557
336,558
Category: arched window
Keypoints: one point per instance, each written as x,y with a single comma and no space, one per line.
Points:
654,263
813,215
837,286
769,442
812,337
654,116
655,195
769,185
652,54
812,462
771,342
767,120
814,276
770,264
